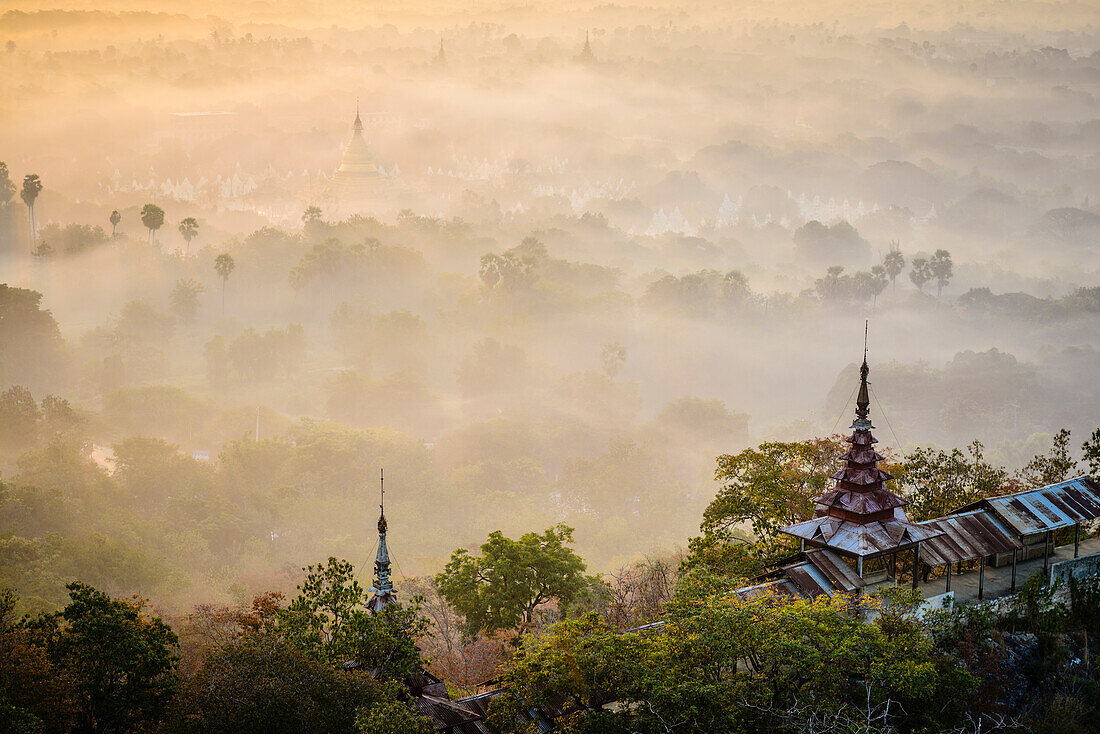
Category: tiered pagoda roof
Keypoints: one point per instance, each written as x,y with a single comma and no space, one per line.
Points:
860,516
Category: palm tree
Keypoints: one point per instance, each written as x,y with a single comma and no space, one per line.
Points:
224,265
185,299
879,275
920,273
152,216
894,262
941,268
32,187
114,220
189,227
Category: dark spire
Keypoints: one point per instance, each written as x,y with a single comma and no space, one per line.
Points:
357,126
383,587
863,399
586,54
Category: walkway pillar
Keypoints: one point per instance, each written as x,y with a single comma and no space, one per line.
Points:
1076,539
981,577
1013,588
859,563
948,577
1046,553
916,564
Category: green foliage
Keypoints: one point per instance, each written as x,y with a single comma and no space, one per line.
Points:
836,243
19,415
334,265
1055,466
31,350
721,663
258,356
392,717
1091,453
329,621
264,683
701,294
767,487
32,187
71,239
223,265
503,587
119,660
7,186
188,228
940,268
185,298
920,272
152,217
936,483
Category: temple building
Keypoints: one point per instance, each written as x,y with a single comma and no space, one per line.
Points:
860,518
586,56
860,531
359,180
427,693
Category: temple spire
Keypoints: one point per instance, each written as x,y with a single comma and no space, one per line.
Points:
357,126
383,587
863,399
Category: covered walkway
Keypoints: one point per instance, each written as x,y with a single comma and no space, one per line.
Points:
998,581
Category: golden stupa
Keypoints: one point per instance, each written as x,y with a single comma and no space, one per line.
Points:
358,177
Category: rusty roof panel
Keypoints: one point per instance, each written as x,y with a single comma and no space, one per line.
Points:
966,536
801,577
1046,508
778,587
839,573
860,539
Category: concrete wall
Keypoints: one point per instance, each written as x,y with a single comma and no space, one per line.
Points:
1078,568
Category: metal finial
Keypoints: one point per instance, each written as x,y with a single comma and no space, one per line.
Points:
382,524
863,400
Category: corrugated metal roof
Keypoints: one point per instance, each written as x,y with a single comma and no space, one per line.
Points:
839,573
966,536
860,539
444,712
811,582
1046,508
781,587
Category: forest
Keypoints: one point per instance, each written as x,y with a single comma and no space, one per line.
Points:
591,284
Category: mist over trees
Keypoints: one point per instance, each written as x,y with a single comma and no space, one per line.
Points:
583,253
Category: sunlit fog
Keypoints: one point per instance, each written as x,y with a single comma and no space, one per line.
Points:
540,262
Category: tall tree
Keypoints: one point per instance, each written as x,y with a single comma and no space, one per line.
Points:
152,216
189,227
894,262
941,268
1057,465
1090,450
878,282
920,273
223,266
120,660
7,186
115,219
32,187
768,487
503,587
185,298
329,621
